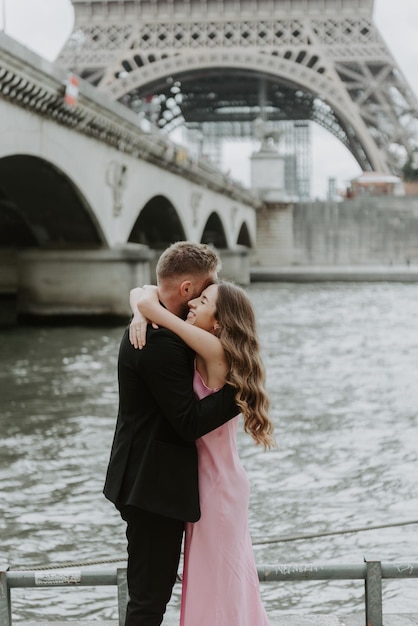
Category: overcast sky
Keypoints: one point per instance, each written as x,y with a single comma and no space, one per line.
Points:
44,26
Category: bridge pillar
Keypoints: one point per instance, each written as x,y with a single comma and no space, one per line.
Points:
236,264
71,283
8,286
275,234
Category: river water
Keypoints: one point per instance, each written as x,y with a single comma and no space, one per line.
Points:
342,365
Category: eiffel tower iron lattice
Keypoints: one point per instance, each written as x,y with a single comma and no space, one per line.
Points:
206,62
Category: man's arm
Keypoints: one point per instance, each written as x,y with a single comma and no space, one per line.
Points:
167,367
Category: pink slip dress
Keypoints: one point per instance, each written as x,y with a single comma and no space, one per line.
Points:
220,581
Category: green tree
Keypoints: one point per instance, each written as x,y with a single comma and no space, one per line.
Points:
410,169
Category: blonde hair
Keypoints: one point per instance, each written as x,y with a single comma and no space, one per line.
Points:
185,258
238,336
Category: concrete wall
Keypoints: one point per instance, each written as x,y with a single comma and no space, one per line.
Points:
369,231
54,283
80,283
275,235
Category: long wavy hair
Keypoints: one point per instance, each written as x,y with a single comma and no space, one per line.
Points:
238,335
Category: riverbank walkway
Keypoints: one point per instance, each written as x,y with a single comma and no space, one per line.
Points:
336,273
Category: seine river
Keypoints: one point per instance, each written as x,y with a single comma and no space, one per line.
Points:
342,364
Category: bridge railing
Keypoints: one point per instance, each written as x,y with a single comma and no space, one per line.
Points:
371,571
33,83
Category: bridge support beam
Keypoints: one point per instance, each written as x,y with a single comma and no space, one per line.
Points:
72,283
275,235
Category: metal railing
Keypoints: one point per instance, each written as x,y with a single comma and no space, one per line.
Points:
371,571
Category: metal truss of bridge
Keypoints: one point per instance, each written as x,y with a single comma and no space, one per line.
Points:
221,64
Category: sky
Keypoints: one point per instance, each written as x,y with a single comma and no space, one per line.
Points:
45,25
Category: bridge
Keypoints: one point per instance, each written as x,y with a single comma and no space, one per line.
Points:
89,183
86,187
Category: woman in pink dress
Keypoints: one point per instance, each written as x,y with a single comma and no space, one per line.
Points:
220,581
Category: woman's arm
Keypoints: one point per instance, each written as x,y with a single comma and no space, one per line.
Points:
201,341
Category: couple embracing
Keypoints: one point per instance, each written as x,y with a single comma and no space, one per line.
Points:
174,465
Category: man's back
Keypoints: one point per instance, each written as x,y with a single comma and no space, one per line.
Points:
153,462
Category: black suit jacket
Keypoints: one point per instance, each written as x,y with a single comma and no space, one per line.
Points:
153,461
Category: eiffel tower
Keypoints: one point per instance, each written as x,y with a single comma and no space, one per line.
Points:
222,64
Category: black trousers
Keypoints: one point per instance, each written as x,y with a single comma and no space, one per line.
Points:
154,546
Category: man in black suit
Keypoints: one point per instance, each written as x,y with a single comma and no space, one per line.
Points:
152,475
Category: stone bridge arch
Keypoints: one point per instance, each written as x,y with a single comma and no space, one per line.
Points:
107,186
214,232
244,237
40,206
158,224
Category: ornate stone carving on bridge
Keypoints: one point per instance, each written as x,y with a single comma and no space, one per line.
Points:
195,200
203,60
116,179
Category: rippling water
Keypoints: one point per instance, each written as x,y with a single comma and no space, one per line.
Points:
342,363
